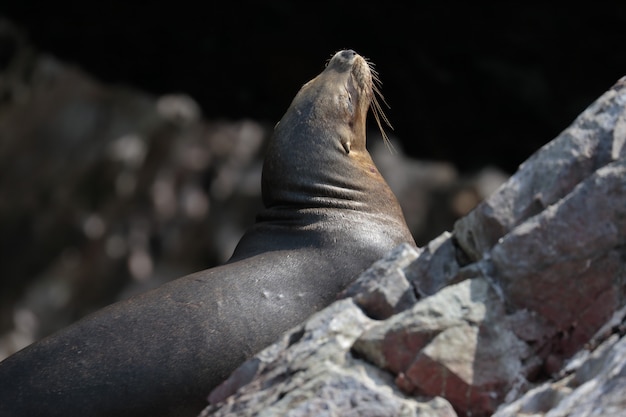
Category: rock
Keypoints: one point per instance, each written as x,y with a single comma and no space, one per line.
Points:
383,289
310,372
596,138
567,263
454,344
595,388
436,267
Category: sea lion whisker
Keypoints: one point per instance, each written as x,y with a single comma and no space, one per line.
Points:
377,85
377,109
378,113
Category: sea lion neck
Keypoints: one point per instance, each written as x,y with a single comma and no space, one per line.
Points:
317,156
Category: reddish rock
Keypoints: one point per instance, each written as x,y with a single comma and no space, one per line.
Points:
566,263
455,344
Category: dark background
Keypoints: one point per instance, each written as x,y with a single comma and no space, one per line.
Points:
475,85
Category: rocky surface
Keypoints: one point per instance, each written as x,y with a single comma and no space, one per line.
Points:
520,310
591,384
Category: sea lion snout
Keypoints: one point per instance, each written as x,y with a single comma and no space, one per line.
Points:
343,60
348,53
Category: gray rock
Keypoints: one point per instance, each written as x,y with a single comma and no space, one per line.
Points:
436,266
596,388
383,290
596,138
310,372
567,263
455,343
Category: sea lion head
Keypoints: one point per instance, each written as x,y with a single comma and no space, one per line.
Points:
318,154
341,95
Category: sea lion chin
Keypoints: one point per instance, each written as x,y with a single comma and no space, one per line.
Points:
328,215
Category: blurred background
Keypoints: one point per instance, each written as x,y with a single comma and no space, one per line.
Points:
132,136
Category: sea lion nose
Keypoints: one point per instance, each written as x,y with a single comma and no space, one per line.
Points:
348,53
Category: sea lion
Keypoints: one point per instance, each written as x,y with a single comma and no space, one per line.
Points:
328,215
